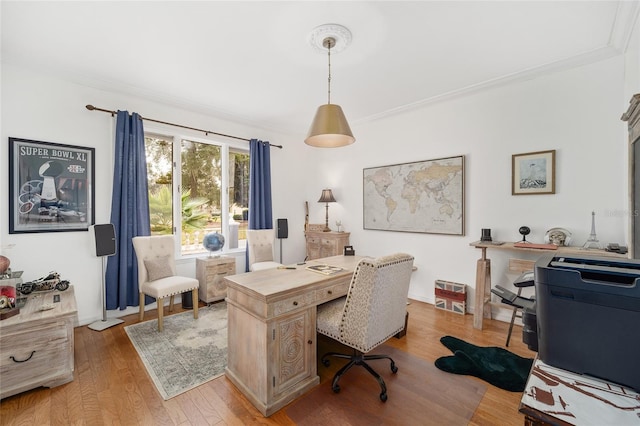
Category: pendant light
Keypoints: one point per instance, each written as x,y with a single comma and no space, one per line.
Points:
330,128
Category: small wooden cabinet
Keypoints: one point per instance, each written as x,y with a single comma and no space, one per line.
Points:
325,244
210,272
36,346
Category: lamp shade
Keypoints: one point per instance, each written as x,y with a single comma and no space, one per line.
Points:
327,197
329,128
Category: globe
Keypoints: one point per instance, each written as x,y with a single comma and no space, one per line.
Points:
213,241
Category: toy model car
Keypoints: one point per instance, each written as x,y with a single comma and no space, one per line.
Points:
49,282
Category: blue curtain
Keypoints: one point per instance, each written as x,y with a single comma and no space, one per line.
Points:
260,215
129,210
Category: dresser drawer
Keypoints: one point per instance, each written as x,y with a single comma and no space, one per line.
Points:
292,303
44,353
223,269
313,240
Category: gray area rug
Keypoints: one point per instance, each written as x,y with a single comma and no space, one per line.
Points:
188,353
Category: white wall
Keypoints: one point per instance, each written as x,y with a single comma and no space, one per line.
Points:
576,112
40,107
632,64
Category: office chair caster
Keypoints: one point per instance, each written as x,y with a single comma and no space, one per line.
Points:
394,370
383,397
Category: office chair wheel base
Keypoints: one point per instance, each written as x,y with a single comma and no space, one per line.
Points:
383,397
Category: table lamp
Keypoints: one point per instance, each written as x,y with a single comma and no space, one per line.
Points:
326,197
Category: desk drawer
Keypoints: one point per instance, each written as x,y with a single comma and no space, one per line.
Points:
332,292
294,302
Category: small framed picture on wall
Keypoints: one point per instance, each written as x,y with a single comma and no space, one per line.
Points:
533,173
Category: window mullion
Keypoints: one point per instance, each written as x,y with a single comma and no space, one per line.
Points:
224,195
177,198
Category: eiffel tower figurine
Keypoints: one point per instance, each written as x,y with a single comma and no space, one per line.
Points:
592,242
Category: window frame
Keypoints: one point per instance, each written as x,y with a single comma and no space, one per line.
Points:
176,181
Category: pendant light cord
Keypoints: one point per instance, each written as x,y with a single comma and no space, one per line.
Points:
328,42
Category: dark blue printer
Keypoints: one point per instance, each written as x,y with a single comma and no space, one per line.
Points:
588,316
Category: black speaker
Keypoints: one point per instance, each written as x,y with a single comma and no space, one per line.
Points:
105,239
283,228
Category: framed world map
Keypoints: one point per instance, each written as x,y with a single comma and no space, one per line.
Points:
422,196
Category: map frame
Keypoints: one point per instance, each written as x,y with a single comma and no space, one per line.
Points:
418,215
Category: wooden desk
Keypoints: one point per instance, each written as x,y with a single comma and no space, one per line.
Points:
554,396
271,355
481,306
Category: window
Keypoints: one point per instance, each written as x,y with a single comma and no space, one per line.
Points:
192,182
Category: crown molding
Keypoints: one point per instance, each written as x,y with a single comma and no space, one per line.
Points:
593,56
627,15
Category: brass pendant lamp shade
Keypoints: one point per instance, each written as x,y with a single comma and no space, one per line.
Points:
330,128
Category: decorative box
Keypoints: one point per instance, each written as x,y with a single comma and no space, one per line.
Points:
451,296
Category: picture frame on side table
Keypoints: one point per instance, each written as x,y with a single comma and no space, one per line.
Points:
50,187
533,173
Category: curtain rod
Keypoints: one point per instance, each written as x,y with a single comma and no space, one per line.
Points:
207,132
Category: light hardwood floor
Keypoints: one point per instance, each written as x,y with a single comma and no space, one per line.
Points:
111,385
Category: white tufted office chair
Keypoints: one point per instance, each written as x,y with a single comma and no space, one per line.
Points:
157,274
260,243
373,311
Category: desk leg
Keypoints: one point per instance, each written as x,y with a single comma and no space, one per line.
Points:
483,291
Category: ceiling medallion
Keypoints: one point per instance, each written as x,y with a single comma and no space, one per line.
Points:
339,33
329,128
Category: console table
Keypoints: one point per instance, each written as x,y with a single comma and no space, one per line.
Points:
325,244
36,346
271,357
481,306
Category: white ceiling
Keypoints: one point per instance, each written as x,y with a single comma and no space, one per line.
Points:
251,61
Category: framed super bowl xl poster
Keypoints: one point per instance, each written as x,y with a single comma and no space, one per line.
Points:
50,187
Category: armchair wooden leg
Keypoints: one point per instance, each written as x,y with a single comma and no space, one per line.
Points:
194,293
160,302
141,307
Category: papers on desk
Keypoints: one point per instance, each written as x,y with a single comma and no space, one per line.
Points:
324,269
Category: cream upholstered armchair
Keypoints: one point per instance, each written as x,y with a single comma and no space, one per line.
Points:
260,243
157,274
373,311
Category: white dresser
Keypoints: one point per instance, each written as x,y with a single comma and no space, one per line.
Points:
36,346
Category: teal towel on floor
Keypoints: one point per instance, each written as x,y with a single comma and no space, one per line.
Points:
494,365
